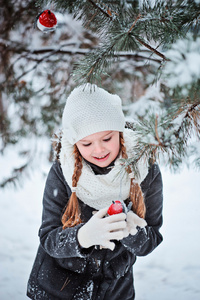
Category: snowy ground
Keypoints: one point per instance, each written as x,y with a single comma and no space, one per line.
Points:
172,271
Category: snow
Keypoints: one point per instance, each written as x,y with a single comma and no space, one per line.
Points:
184,65
172,271
150,101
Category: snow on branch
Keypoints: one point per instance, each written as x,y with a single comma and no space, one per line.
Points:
166,137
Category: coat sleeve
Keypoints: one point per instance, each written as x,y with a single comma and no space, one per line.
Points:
58,243
147,239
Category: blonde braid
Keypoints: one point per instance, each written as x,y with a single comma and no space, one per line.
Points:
136,195
71,216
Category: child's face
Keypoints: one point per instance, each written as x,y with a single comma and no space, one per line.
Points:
100,148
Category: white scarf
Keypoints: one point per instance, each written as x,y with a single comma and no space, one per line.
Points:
98,191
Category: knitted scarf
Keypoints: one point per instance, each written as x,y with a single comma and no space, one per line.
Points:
98,191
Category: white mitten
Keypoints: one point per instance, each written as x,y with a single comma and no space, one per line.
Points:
133,221
100,231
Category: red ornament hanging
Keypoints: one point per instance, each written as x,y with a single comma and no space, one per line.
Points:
46,21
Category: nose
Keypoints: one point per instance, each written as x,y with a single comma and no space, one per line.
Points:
99,148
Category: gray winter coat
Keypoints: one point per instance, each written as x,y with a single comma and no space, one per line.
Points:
64,270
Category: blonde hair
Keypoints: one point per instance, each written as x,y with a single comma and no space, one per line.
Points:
71,216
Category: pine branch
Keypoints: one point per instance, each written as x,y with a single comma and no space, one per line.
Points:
108,53
28,53
138,29
138,17
15,177
155,139
30,56
105,11
156,131
165,138
191,115
152,49
92,18
97,62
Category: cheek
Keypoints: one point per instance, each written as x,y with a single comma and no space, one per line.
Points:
115,146
84,151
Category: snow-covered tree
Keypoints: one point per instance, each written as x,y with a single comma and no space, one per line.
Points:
146,51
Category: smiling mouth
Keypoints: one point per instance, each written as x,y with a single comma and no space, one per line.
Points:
104,157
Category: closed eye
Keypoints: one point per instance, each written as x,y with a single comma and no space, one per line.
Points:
107,140
86,145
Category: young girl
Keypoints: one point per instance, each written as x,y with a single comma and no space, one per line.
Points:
85,253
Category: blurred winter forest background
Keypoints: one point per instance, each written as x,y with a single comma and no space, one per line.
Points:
148,52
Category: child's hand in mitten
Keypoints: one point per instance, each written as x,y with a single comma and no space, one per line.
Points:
133,221
100,231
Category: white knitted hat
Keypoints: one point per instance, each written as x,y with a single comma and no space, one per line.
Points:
90,109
